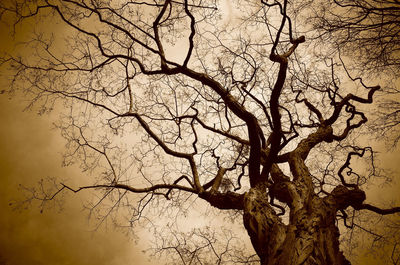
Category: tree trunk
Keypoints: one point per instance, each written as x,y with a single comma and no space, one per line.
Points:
311,237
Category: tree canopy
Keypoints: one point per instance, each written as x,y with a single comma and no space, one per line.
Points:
215,104
371,28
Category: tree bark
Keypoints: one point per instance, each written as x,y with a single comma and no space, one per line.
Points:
311,237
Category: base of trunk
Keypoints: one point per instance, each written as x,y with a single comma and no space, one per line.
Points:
310,238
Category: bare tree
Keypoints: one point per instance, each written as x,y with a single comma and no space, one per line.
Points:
166,104
366,34
366,29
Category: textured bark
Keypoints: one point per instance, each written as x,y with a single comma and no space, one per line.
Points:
311,237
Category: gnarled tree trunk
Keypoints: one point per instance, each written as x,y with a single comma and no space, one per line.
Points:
311,237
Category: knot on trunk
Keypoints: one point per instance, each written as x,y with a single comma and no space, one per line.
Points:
280,191
345,197
227,200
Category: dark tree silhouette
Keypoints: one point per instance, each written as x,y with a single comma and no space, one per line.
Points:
167,103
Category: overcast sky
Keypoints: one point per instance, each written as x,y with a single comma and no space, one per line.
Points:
30,149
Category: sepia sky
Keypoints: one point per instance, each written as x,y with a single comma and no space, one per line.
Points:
30,149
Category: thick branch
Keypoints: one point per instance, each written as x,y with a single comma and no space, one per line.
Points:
218,179
224,201
366,206
253,127
339,106
153,188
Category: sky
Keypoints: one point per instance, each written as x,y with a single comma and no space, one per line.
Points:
31,149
